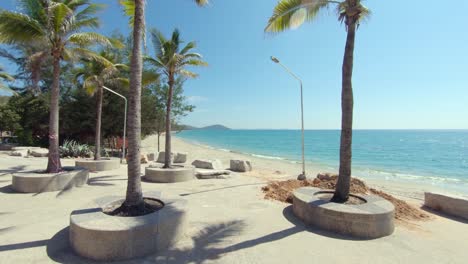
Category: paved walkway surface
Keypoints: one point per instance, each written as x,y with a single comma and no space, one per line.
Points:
230,222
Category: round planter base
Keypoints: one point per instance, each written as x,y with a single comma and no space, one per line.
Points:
36,182
176,174
99,236
372,219
99,165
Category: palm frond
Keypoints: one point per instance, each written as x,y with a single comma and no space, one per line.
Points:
60,15
202,2
19,28
193,55
360,12
89,38
293,13
188,74
191,45
75,4
6,76
118,82
75,54
158,40
6,89
89,11
149,77
92,22
194,62
91,84
35,9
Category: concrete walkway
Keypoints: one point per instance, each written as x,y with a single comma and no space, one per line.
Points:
230,222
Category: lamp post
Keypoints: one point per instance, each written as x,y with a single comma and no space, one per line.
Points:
125,121
303,175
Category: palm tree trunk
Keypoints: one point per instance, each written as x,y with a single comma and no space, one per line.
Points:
97,135
344,180
53,164
134,197
168,149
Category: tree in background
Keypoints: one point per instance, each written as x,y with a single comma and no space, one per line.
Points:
94,76
9,121
171,60
33,111
291,14
5,77
56,23
180,106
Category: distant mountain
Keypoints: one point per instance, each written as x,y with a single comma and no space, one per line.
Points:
213,127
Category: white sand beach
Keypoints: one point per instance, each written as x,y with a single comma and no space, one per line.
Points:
229,220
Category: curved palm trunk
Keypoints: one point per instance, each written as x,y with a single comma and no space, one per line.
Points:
168,147
53,164
134,197
343,185
97,135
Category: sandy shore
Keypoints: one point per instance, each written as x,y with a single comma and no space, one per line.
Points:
276,169
230,222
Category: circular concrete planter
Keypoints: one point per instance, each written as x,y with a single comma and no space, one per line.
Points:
103,164
36,182
99,236
372,219
176,174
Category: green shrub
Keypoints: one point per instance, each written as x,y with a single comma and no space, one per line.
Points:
71,148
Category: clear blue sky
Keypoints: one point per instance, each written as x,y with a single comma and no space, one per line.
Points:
411,64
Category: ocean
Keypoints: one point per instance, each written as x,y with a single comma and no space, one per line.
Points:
436,157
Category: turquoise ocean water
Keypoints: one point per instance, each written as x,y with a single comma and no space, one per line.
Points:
436,157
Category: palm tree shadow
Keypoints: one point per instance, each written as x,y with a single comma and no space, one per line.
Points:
204,245
207,243
7,189
12,170
444,215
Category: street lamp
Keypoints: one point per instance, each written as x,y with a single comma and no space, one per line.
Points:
303,175
125,121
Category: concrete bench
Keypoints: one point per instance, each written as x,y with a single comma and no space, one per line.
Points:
452,205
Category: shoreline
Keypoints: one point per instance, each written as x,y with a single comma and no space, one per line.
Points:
271,169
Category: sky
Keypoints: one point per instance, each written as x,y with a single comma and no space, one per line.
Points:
410,64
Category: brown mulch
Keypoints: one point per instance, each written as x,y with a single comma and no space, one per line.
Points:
282,191
119,209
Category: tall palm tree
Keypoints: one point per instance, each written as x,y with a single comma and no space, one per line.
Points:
172,60
56,23
95,75
135,10
7,77
291,14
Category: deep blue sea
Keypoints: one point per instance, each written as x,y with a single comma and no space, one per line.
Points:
437,157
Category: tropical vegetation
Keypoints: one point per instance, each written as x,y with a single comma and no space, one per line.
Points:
56,25
5,77
172,61
291,14
95,75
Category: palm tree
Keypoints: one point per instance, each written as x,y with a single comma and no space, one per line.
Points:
291,14
7,77
96,75
135,10
56,23
171,60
